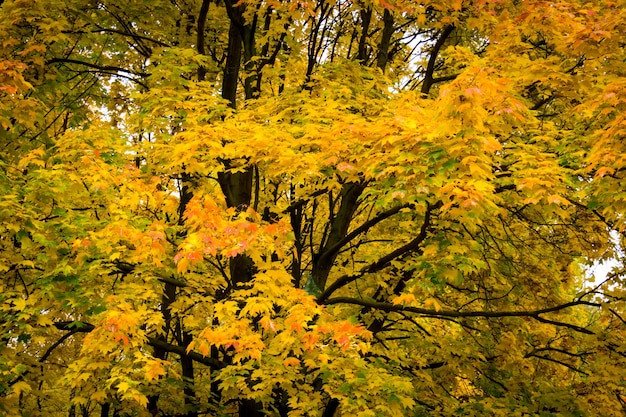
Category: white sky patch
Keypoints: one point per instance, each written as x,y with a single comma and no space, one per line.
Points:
600,270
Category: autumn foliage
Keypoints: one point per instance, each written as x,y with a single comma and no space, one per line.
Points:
312,208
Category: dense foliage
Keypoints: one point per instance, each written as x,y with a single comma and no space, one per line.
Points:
312,208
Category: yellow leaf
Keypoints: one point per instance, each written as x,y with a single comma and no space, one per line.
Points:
19,387
27,263
404,299
123,386
19,304
44,320
407,402
183,265
555,199
432,302
154,369
140,398
80,400
323,357
291,361
99,396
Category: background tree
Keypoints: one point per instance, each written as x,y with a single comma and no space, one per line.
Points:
311,208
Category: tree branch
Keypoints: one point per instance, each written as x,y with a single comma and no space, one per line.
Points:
205,360
299,203
135,36
547,358
430,69
175,282
202,17
57,344
339,225
444,78
365,227
102,68
384,261
82,327
535,314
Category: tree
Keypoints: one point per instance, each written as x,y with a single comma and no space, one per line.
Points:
312,208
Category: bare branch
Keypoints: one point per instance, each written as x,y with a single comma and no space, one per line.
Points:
383,261
135,36
534,314
365,227
102,68
567,365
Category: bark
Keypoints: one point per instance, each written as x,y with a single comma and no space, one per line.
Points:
366,18
385,41
429,77
237,186
340,223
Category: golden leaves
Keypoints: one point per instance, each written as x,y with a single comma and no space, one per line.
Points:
119,324
493,172
217,231
404,299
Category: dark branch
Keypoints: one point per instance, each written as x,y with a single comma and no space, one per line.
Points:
56,344
74,326
535,314
384,261
135,36
301,202
430,69
102,68
547,358
180,350
444,78
365,227
82,327
204,10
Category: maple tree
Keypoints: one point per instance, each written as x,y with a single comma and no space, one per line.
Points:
315,208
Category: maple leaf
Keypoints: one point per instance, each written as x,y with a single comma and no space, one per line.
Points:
314,212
